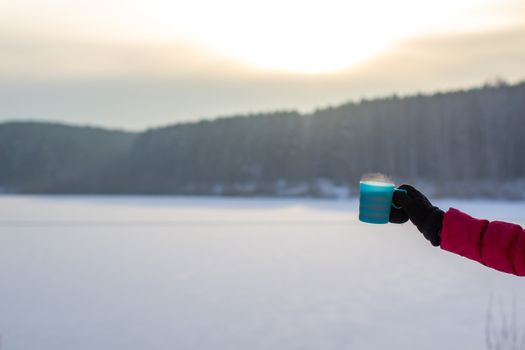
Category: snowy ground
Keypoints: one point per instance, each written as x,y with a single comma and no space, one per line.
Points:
184,273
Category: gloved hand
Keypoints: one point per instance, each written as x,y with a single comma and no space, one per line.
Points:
416,207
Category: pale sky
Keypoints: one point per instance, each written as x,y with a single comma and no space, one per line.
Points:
143,63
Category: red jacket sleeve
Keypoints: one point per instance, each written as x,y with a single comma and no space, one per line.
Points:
495,244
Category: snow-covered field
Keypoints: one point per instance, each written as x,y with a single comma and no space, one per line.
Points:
185,273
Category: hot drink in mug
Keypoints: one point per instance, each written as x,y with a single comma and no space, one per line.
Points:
375,201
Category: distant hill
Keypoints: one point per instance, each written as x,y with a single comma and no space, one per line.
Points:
46,157
460,143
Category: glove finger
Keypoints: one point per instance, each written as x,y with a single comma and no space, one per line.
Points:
401,198
398,216
411,191
415,195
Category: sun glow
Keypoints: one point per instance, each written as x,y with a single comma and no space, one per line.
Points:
318,37
288,35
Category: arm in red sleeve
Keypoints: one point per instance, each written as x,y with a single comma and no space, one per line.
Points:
499,245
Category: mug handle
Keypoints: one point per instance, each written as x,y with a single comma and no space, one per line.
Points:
400,190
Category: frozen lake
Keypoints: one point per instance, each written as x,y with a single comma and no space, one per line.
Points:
132,273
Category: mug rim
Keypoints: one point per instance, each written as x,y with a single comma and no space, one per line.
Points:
377,183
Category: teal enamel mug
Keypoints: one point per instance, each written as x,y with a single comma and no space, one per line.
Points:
375,201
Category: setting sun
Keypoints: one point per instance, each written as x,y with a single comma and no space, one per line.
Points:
294,36
315,37
308,37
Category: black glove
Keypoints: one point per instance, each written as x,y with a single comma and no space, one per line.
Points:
416,207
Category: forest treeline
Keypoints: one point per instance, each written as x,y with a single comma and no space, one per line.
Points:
459,143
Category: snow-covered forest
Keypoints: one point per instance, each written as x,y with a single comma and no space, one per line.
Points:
460,143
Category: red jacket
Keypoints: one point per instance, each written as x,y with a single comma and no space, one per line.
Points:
495,244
